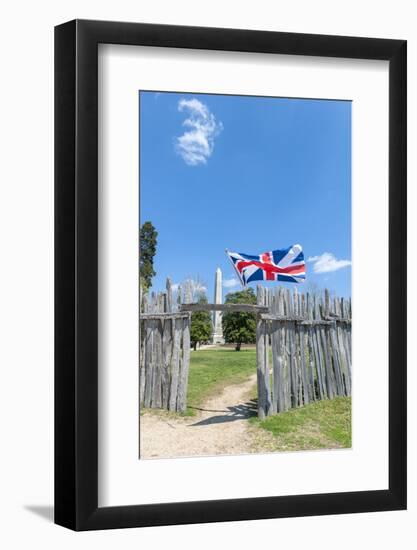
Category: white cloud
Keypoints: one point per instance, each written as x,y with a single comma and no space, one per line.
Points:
196,144
195,286
230,283
327,262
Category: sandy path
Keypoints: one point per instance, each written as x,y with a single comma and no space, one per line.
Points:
219,427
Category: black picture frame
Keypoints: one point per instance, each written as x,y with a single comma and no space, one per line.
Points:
76,272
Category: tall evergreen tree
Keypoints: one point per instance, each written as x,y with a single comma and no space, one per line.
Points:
148,240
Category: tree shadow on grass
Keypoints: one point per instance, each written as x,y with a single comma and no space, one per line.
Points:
236,412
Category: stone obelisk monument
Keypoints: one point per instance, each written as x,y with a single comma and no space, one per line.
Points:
217,316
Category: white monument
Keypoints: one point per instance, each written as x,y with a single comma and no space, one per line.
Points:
217,315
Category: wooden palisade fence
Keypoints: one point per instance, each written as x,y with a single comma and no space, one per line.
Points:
164,351
310,340
303,347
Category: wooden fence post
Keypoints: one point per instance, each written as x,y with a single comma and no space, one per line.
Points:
185,363
262,359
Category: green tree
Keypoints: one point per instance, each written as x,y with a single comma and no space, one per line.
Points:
148,239
201,326
240,327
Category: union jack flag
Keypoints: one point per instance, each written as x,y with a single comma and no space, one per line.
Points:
285,265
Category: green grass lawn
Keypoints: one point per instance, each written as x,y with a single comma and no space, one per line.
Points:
213,369
321,425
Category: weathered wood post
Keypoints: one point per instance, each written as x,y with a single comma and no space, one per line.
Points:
303,353
262,363
185,365
276,370
184,353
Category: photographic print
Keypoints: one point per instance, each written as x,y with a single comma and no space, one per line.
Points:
244,273
207,181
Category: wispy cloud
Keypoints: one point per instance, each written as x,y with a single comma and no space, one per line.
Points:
196,144
195,286
230,283
327,262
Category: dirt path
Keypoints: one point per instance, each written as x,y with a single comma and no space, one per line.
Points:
220,427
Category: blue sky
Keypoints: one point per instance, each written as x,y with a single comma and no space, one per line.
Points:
249,174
